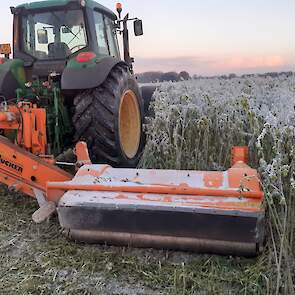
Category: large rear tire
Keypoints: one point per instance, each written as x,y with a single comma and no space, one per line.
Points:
110,119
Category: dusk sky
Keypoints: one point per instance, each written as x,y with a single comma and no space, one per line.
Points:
205,37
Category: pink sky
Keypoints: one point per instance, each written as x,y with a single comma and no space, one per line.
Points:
205,37
206,66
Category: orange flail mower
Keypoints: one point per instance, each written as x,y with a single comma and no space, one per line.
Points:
218,212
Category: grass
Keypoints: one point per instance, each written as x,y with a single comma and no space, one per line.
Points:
195,125
38,259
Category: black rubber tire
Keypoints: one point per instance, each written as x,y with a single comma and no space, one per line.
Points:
96,118
147,93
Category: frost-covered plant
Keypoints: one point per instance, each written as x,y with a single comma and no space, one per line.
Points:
197,122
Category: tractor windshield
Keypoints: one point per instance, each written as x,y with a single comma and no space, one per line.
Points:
55,34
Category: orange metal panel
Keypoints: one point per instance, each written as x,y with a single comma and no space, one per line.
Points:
82,153
235,189
39,137
30,123
242,176
23,171
213,179
239,154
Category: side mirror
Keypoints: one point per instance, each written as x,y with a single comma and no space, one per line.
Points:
138,27
42,36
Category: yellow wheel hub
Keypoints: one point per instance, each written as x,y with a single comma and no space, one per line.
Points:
129,124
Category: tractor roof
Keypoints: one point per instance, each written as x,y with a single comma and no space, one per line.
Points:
59,3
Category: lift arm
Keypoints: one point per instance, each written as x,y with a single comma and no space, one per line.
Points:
24,172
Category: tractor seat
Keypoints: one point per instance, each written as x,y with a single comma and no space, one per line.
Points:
58,50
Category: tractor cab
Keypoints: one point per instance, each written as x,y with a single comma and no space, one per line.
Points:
47,34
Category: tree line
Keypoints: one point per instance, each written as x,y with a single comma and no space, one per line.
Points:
153,77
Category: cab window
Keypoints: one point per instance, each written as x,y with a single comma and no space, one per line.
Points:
55,34
106,35
112,37
101,34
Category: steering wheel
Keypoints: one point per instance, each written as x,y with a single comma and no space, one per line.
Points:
78,47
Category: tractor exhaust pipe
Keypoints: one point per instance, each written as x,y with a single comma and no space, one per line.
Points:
125,32
126,45
138,31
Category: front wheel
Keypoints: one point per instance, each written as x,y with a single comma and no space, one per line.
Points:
110,119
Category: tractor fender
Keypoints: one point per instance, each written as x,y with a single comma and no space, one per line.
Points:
12,77
82,76
147,93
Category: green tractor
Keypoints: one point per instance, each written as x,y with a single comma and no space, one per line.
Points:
67,61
